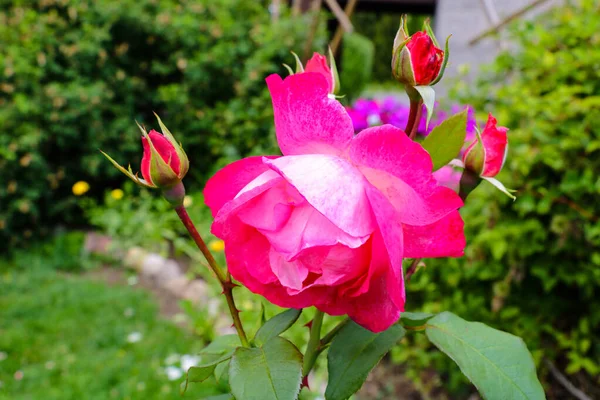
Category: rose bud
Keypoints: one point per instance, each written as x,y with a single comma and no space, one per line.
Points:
486,155
163,166
418,60
318,64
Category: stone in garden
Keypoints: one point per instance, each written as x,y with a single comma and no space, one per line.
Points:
152,265
170,270
177,287
96,243
197,292
135,258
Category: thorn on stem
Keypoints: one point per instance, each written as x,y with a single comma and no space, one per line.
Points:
305,382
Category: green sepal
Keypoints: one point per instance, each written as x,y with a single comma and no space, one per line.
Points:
299,66
474,158
444,62
334,73
289,69
498,185
183,159
129,173
402,68
161,173
402,34
429,31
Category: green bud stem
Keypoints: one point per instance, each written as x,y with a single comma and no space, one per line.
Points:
224,278
175,194
313,349
468,182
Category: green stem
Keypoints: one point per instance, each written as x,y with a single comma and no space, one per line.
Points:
224,278
329,337
313,347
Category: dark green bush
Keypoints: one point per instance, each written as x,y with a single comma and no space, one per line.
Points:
532,267
357,61
76,74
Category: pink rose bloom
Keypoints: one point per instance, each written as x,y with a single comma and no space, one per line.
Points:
486,155
328,223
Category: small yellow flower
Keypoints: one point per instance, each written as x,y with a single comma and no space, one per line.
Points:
216,245
117,194
80,188
188,201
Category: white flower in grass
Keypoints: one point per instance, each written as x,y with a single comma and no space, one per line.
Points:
188,361
134,337
173,373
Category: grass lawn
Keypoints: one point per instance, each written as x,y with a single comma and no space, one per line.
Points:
68,337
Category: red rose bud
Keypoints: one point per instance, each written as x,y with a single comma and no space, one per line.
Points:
163,173
164,163
484,158
417,60
318,64
486,155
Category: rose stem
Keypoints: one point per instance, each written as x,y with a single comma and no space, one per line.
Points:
313,347
223,278
414,118
411,269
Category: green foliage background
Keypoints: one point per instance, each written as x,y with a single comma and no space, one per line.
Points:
532,266
76,74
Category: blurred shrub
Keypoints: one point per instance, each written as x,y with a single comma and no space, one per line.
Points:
381,29
75,74
357,64
532,267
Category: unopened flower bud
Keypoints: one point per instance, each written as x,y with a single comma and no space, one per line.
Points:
486,155
163,166
417,60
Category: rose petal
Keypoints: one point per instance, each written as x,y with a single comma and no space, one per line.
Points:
401,170
495,144
333,186
376,309
227,182
220,226
444,238
306,228
307,121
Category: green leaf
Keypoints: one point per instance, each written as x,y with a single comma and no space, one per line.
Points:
222,344
276,325
445,140
497,363
415,318
428,95
353,353
270,372
197,374
225,396
205,369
